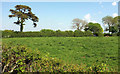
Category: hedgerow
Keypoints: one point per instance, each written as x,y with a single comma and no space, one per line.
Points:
52,33
46,33
21,59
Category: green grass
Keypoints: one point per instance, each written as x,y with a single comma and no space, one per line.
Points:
76,50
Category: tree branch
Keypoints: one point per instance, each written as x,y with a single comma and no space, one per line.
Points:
5,66
13,68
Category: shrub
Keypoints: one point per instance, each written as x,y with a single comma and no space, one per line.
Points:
47,33
88,33
114,34
78,33
118,34
69,33
98,34
7,33
58,33
99,68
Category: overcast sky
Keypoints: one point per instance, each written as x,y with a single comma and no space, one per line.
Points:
59,15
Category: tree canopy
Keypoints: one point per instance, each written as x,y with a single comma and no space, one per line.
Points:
117,23
94,27
113,23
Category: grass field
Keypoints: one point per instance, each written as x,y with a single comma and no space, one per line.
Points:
77,50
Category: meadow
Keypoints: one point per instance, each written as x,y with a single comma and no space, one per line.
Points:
75,50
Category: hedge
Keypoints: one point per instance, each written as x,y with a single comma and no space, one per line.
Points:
52,33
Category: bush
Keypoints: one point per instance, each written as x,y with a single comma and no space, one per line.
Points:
47,33
7,33
98,34
118,34
114,34
99,68
88,33
60,33
69,33
78,33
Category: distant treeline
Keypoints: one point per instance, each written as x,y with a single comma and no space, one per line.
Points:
52,33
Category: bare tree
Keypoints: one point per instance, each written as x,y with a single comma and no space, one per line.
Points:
79,23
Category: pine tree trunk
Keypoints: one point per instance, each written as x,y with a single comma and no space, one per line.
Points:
21,26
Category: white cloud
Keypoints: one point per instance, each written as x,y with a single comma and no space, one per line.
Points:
115,14
114,3
87,17
93,21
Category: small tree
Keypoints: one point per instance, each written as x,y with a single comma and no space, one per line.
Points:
23,13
